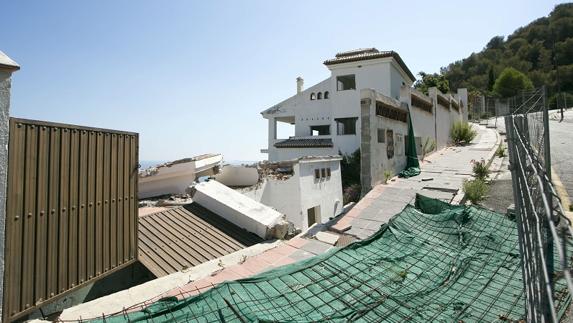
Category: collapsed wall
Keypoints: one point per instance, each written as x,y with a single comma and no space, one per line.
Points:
240,210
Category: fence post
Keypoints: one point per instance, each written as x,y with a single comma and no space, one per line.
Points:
547,189
7,67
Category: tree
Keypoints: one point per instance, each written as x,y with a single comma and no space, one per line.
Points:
431,80
511,82
490,79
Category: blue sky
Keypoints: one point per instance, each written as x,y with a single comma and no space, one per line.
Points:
193,76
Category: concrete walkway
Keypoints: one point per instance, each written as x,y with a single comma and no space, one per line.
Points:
442,177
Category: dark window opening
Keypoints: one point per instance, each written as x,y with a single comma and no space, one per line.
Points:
381,136
346,126
320,130
328,172
323,172
319,96
312,96
345,82
317,173
326,94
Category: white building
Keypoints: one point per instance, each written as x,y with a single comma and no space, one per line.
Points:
307,190
326,115
364,105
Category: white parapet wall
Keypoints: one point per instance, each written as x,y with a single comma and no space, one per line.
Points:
237,208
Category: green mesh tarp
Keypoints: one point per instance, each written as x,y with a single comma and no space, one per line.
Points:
412,164
433,262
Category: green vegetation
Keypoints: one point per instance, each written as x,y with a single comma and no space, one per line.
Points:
387,175
500,152
542,51
475,190
462,133
511,82
480,169
432,80
350,175
428,146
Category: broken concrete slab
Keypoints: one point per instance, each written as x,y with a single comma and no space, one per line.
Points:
326,237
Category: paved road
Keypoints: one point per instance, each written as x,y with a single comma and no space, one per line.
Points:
561,146
562,150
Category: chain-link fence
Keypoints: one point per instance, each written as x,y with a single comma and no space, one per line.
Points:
544,231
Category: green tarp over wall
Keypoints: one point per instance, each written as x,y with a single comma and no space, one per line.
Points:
433,262
412,163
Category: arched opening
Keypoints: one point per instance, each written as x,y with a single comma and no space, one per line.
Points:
319,96
312,96
326,95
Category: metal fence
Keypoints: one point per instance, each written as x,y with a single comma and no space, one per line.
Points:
71,210
544,231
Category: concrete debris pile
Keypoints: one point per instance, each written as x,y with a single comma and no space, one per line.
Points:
276,170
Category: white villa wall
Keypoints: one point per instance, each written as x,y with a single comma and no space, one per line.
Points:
423,121
442,119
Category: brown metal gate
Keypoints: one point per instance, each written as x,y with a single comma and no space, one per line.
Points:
71,209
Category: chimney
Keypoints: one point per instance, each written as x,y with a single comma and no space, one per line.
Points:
299,85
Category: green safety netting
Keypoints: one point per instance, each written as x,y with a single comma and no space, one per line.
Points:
433,262
412,164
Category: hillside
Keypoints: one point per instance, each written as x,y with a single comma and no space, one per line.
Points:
543,50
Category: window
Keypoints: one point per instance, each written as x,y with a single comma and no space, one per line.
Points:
323,172
345,82
312,96
320,130
381,135
389,144
328,172
317,173
346,126
326,94
319,96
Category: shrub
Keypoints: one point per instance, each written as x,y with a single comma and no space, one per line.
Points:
462,133
500,152
480,169
350,168
475,190
429,146
387,175
351,194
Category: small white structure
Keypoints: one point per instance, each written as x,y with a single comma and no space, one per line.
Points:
307,190
237,208
174,177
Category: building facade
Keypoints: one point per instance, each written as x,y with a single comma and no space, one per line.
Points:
365,104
